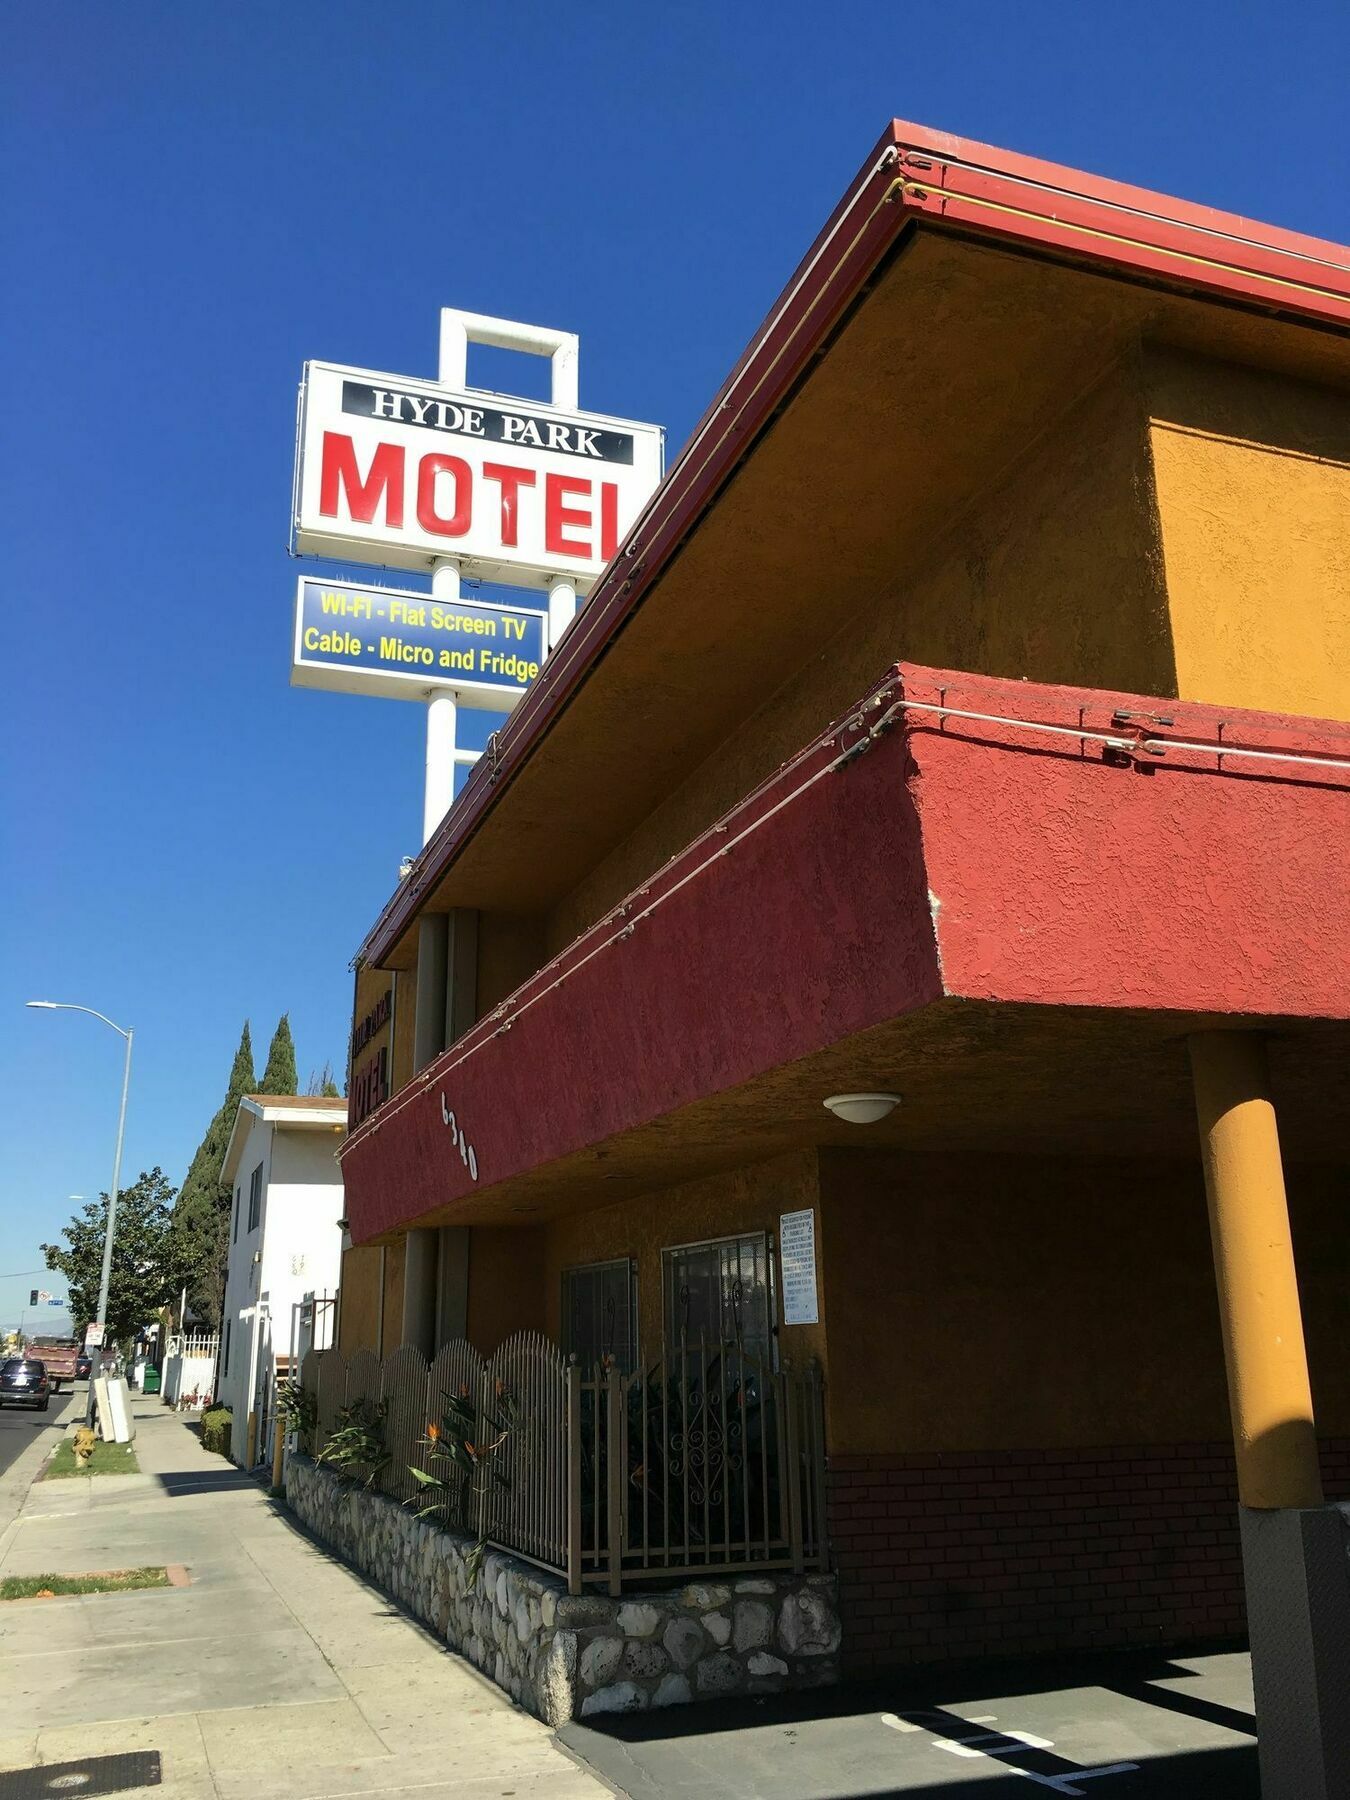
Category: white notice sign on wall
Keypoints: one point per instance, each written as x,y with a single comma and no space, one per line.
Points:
797,1253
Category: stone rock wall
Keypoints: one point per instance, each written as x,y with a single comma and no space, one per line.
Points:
573,1655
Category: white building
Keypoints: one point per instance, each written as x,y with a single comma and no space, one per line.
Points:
285,1245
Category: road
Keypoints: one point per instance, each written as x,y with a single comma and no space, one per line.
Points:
19,1426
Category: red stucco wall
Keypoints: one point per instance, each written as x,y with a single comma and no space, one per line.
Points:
1182,882
1057,872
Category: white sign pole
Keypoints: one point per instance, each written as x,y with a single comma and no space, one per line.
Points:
563,349
438,793
562,608
442,717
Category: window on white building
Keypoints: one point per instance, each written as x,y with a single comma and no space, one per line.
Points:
255,1198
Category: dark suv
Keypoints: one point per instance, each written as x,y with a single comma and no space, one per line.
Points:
24,1383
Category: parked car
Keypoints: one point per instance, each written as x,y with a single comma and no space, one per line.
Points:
24,1383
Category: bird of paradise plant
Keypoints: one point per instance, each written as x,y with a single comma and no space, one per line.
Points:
464,1447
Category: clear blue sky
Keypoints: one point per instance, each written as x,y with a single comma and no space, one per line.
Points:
196,198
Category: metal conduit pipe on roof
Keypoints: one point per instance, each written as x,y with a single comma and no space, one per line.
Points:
1134,212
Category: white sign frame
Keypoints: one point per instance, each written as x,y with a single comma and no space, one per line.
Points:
797,1261
478,548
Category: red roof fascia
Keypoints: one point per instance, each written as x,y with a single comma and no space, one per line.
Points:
1143,233
913,172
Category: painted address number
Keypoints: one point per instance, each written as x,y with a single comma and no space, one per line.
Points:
467,1154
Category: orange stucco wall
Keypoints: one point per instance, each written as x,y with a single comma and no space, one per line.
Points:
1253,487
1054,572
1036,1303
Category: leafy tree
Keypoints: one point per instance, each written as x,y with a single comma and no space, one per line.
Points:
280,1077
144,1273
201,1218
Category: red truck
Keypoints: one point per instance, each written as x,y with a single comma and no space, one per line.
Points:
58,1354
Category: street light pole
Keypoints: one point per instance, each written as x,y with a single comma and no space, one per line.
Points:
96,1361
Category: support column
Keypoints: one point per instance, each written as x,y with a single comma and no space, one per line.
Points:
461,973
420,1270
429,1012
452,1294
1295,1551
1268,1391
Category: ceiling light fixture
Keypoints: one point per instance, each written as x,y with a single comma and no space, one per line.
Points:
862,1109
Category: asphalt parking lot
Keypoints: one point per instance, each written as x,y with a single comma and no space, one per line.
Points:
1147,1727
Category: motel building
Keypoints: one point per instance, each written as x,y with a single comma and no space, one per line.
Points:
874,1039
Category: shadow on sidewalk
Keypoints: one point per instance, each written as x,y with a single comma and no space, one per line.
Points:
716,1747
179,1483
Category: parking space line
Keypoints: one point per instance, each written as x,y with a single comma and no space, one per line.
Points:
1001,1747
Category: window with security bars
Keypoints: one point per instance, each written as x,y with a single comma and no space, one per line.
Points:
599,1313
720,1290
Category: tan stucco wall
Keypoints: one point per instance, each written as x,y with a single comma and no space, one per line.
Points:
510,949
506,1284
726,1205
394,1260
405,1020
1054,572
359,1308
1253,485
1030,1303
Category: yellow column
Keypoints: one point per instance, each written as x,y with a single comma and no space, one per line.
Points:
1268,1391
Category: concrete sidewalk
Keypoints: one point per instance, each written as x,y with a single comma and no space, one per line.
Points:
276,1672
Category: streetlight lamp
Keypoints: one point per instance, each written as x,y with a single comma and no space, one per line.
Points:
96,1361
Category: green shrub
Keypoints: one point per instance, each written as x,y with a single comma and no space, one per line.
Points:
216,1423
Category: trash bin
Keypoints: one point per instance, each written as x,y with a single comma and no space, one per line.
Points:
150,1380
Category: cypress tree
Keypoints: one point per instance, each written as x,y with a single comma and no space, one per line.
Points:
280,1077
201,1214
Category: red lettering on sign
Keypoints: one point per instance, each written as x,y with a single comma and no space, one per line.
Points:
609,519
385,480
427,516
512,481
559,518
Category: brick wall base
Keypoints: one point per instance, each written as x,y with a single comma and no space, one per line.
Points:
1024,1552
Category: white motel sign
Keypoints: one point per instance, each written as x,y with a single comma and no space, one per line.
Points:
459,483
402,472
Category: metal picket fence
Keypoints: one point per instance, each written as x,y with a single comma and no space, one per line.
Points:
703,1460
